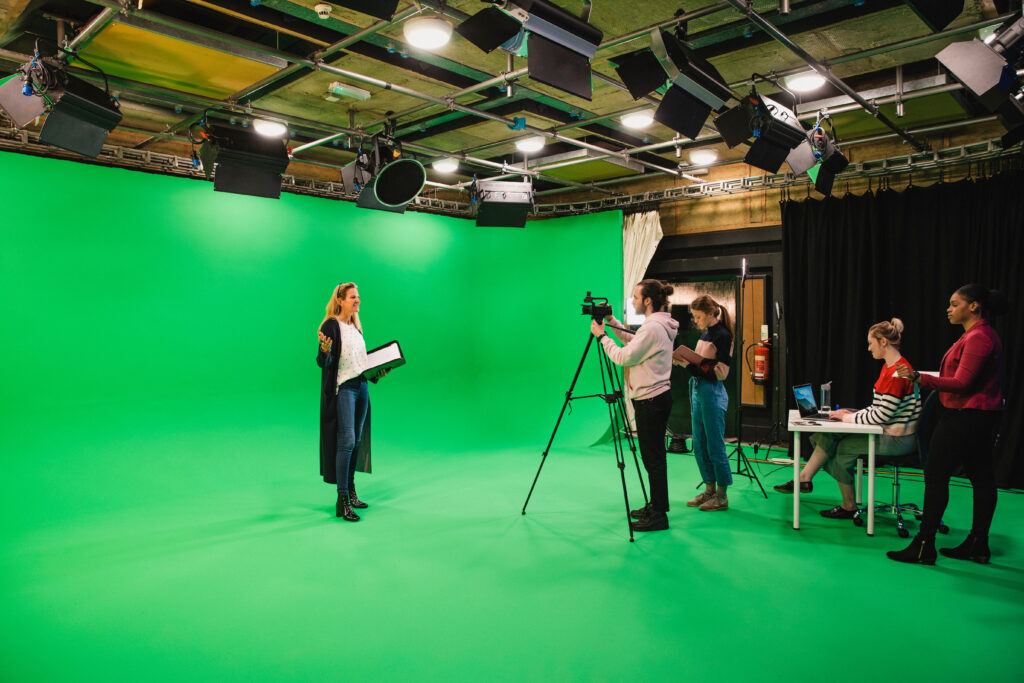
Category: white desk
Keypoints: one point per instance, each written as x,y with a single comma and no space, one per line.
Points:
796,426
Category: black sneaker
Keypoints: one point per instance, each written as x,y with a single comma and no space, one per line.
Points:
655,521
838,512
805,487
641,512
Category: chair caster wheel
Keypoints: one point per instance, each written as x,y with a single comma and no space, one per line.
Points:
903,533
858,521
943,529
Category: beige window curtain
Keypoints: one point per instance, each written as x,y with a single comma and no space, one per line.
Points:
641,233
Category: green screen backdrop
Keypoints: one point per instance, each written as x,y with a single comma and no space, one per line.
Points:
129,295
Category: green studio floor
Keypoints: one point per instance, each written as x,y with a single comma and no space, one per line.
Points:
202,546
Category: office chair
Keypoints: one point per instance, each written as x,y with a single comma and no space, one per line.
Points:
925,427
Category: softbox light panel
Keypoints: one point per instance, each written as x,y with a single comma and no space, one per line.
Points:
767,155
640,71
978,68
689,71
557,66
243,162
18,106
682,112
937,14
489,28
734,125
801,158
503,204
80,119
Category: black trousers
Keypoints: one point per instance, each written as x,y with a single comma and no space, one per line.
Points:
961,437
651,420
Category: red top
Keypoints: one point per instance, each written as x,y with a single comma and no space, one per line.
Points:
969,373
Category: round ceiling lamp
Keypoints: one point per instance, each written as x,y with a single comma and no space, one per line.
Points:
805,82
534,144
638,119
427,32
703,157
446,165
269,128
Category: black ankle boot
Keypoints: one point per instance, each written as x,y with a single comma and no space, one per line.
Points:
354,499
920,551
974,548
641,512
343,508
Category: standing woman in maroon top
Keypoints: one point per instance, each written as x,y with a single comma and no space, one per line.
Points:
971,402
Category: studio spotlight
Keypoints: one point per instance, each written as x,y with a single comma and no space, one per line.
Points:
819,155
79,115
986,69
427,32
697,87
937,14
774,127
243,162
559,46
502,203
384,180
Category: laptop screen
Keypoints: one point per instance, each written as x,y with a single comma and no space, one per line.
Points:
805,403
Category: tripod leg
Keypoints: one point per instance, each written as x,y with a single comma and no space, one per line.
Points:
613,417
623,415
565,404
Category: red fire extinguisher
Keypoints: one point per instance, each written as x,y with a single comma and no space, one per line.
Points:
760,372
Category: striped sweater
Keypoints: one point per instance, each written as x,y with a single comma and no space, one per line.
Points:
895,404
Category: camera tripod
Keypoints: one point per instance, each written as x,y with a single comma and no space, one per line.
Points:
612,395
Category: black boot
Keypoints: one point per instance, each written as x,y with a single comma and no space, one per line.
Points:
354,499
974,548
641,512
920,551
343,508
652,521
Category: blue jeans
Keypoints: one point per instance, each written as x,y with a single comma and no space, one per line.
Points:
353,402
708,402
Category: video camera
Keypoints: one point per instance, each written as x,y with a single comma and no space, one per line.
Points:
596,307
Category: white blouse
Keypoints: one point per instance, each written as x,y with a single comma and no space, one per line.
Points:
353,353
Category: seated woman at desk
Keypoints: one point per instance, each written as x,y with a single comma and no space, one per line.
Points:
896,406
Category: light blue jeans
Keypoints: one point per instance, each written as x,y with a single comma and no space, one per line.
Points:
708,402
353,403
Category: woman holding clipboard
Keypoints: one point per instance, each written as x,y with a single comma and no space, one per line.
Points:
344,398
709,365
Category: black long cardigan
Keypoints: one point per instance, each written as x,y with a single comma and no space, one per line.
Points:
328,362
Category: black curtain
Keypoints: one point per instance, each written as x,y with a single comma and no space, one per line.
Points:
853,261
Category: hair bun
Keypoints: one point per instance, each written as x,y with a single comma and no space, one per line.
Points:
667,290
997,302
897,325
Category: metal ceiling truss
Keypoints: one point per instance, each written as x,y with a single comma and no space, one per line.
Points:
917,162
22,141
292,65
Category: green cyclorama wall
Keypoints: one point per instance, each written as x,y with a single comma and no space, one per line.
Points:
126,291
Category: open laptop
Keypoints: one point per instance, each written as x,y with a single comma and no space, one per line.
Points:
805,403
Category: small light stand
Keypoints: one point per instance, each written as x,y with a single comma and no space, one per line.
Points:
743,467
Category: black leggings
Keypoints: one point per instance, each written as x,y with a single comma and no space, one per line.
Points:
651,420
961,437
